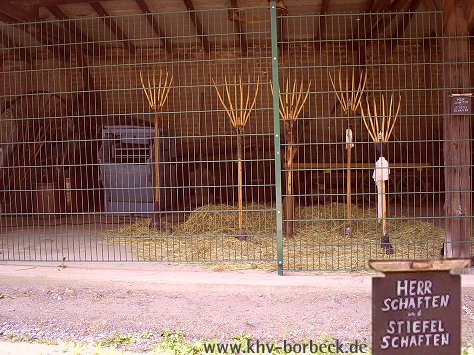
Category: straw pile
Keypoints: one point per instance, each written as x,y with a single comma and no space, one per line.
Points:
208,235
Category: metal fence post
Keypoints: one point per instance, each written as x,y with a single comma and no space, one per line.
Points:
276,130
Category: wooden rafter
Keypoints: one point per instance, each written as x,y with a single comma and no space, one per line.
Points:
75,34
322,22
22,13
40,37
404,22
240,30
197,23
52,2
114,27
154,24
374,29
369,22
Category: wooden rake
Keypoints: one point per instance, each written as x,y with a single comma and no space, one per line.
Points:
156,91
380,128
349,94
237,105
292,100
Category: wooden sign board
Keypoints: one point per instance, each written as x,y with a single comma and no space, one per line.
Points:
460,105
416,311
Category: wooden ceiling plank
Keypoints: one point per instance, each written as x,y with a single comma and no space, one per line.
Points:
75,32
154,24
114,27
197,23
322,22
404,22
238,26
22,13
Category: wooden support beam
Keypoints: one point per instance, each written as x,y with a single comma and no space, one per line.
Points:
322,21
240,30
403,23
456,131
75,33
154,24
114,27
197,23
21,13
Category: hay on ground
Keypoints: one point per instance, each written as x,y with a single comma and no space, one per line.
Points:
319,243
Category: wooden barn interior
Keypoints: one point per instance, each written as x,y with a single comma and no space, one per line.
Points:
154,130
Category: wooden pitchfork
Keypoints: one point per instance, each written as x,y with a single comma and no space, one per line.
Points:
292,100
237,106
156,91
349,94
380,128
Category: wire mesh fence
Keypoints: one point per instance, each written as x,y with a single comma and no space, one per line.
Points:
162,144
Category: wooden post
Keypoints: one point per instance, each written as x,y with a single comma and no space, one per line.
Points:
384,208
289,202
348,230
156,145
241,232
456,130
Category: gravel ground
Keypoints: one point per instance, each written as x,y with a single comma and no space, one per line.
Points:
81,310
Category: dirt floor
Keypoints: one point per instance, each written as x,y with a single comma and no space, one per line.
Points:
89,301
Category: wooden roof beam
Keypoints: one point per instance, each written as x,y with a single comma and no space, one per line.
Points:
374,29
154,24
403,23
322,22
75,33
238,26
45,3
197,23
114,27
21,13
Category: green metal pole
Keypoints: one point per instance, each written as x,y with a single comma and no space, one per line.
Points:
276,130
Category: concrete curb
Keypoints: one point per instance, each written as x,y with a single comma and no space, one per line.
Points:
165,277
